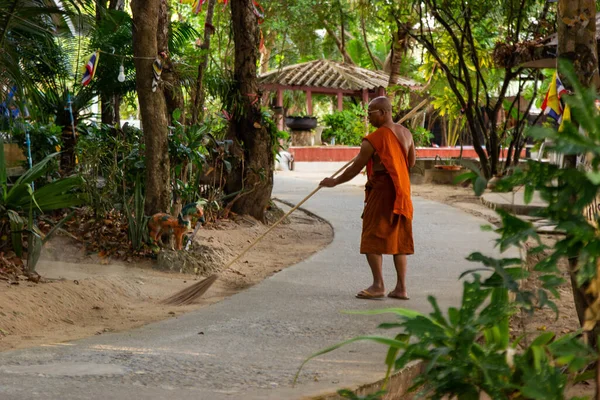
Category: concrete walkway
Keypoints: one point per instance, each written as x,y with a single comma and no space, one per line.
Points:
514,202
250,345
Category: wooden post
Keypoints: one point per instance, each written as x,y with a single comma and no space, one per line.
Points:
309,109
365,96
280,104
365,102
340,101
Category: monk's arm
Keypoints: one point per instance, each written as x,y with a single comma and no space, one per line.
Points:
366,152
412,155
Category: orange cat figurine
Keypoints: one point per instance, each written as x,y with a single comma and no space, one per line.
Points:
162,223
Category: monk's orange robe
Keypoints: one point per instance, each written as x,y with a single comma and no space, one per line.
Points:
388,213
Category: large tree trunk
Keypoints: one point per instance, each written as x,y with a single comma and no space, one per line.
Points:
152,104
577,43
255,174
198,107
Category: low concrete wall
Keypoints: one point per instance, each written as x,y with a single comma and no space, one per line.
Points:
396,388
345,153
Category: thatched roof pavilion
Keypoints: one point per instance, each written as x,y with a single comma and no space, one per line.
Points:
329,77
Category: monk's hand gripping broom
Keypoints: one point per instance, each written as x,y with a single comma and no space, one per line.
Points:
188,295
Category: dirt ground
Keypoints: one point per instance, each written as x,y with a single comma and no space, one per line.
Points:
87,295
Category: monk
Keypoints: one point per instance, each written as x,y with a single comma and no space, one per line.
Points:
388,153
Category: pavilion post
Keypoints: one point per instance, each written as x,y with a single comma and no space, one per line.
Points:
365,102
340,101
309,109
280,105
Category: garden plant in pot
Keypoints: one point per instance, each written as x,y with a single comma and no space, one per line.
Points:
447,165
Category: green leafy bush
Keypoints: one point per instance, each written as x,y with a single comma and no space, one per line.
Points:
469,350
44,138
109,160
421,136
347,126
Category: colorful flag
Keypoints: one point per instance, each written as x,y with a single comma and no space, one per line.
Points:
551,105
565,117
90,69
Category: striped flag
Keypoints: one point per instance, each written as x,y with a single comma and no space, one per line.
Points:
90,69
551,105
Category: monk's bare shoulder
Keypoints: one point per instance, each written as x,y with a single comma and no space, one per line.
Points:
404,136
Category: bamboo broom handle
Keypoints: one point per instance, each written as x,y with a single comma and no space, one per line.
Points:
304,200
251,245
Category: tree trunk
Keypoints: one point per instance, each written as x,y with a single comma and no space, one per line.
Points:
171,84
577,43
198,107
254,174
67,155
400,40
152,104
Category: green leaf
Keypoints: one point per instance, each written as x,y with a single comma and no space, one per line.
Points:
538,355
404,312
543,339
528,194
464,177
176,114
480,185
594,177
3,177
377,339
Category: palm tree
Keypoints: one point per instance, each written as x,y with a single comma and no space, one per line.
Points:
33,62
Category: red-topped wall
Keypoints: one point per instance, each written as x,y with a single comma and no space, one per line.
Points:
342,153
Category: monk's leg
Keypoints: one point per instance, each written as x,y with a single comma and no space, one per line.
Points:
400,291
377,288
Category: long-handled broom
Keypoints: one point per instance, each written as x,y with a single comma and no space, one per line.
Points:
188,295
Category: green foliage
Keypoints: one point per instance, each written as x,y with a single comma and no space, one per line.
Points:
347,126
137,221
348,394
44,138
421,136
61,193
18,198
474,175
468,351
113,35
109,160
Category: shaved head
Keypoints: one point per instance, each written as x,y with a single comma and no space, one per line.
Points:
380,103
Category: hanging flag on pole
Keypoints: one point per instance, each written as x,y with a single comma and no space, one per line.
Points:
90,69
565,117
551,105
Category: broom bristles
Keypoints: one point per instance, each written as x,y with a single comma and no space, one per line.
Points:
189,294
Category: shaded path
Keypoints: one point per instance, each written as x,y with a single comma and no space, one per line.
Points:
250,345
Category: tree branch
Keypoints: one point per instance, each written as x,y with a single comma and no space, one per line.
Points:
198,108
339,44
377,64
